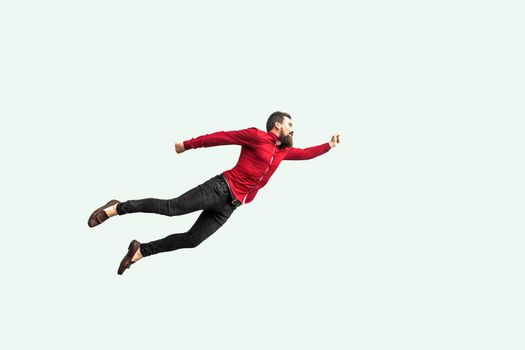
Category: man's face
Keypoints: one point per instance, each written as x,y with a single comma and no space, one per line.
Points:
286,132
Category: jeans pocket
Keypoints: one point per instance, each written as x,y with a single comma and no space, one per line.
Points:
220,188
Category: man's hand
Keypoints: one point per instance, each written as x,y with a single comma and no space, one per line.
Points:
179,147
335,140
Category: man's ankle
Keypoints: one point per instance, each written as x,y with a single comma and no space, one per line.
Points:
111,211
137,256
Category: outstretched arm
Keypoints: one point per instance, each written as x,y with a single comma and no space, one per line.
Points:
312,152
245,137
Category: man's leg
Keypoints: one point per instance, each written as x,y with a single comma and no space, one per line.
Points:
190,201
201,197
208,222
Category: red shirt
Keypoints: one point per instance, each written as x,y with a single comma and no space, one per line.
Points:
260,156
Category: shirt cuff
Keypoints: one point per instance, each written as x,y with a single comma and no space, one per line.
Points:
187,145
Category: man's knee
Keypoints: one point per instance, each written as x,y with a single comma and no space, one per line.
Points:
170,207
188,241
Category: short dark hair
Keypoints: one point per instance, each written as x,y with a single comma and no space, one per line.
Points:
276,117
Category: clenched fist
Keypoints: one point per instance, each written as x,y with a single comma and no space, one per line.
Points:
179,147
335,140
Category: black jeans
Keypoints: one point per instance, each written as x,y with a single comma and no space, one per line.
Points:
213,197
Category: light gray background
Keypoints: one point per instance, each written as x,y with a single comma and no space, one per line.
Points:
409,235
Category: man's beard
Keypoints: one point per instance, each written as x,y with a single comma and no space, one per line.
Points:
286,141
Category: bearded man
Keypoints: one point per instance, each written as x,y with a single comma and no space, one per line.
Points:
220,196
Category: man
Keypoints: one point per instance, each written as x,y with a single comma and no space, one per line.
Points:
261,154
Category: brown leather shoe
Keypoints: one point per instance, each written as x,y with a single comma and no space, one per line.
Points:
126,261
99,215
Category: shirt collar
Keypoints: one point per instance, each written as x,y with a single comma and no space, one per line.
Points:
275,139
273,136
